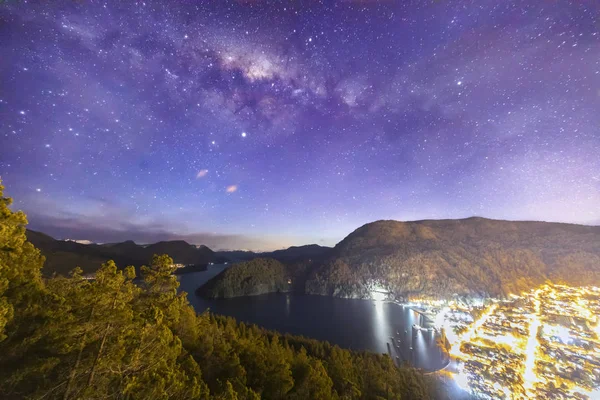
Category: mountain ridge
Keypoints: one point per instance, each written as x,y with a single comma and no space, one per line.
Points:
290,254
442,258
62,256
466,256
470,256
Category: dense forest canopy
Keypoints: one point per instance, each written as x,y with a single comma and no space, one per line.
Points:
258,276
74,338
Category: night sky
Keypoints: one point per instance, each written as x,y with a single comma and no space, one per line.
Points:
259,125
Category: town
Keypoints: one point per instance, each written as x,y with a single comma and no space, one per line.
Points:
544,344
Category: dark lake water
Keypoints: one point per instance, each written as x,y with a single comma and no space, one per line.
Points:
355,324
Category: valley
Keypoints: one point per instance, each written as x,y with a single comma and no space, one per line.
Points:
507,309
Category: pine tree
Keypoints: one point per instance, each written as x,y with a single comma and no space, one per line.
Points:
22,295
72,338
20,265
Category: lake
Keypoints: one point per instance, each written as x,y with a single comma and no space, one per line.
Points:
349,323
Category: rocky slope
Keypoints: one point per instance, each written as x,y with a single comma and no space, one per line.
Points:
435,258
473,256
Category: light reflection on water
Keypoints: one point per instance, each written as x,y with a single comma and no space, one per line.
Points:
349,323
381,327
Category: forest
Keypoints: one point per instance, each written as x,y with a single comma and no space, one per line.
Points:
121,337
258,276
472,257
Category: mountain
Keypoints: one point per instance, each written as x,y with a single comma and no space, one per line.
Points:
473,256
257,276
265,275
181,251
299,253
291,254
433,258
233,256
62,256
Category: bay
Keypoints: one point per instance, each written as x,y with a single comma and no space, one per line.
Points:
377,326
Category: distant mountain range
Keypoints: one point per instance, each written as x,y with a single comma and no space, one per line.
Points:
291,254
64,255
441,258
438,258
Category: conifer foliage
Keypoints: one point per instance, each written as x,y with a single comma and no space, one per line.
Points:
117,337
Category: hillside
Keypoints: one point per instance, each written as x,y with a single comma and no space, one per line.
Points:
258,276
62,256
473,256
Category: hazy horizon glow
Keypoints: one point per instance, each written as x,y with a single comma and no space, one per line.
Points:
259,125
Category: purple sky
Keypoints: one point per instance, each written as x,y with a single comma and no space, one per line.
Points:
259,125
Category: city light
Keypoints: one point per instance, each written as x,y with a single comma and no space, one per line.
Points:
528,346
462,380
377,291
529,376
468,335
378,296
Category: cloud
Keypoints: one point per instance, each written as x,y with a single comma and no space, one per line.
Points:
232,188
202,173
81,228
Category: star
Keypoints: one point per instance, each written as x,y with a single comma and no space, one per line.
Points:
375,121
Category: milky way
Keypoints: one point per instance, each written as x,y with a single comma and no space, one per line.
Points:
259,125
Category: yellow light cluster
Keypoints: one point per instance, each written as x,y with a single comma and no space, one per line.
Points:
530,378
467,336
519,326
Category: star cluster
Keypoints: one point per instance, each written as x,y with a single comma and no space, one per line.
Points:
254,124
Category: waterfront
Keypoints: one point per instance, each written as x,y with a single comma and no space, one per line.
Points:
349,323
541,344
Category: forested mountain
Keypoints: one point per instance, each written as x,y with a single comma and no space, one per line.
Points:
258,276
438,258
69,338
63,255
468,256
